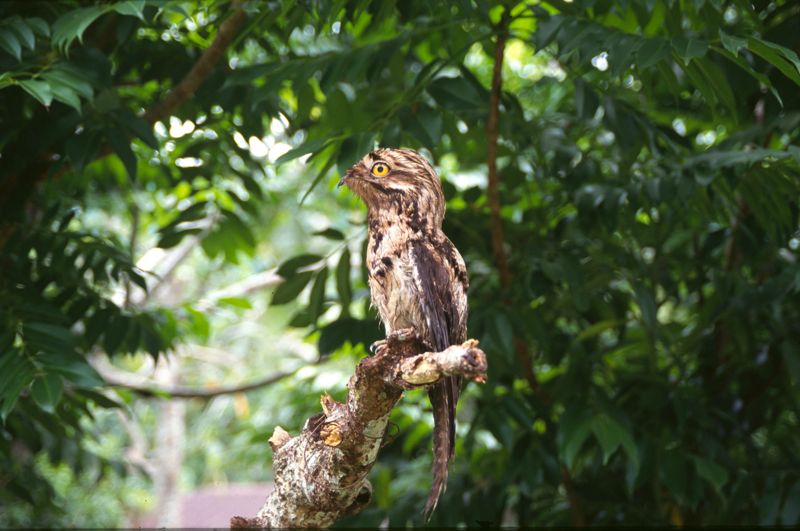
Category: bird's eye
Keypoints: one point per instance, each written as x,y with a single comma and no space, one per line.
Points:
379,169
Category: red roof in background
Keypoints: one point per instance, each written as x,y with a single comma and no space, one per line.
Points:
213,505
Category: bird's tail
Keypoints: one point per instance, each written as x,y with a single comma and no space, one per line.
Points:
443,396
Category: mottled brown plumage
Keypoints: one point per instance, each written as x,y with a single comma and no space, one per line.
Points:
417,277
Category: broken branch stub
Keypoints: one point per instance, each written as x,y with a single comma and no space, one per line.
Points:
320,475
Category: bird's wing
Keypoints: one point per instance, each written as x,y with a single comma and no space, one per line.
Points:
441,289
441,283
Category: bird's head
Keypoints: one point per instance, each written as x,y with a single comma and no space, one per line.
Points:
397,179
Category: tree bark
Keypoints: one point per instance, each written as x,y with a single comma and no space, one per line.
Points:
321,474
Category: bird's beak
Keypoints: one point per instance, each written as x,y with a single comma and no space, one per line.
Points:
345,178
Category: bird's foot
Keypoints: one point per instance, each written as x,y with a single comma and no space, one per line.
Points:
378,347
394,340
402,335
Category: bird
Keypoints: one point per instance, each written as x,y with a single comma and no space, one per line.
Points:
417,277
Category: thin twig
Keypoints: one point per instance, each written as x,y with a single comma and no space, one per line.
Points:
134,232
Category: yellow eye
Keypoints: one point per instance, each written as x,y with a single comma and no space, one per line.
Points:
379,169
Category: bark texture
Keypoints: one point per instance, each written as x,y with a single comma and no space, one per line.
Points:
321,474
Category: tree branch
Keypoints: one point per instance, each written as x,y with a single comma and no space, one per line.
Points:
491,153
498,249
144,386
321,474
202,68
253,283
10,187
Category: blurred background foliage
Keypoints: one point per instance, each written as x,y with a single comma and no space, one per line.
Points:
160,159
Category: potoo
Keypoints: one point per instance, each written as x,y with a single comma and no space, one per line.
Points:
417,278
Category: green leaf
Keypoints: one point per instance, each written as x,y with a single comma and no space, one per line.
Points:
235,302
72,366
316,298
456,94
9,42
716,475
48,337
343,281
39,26
99,399
133,8
244,234
586,100
334,335
122,147
66,95
329,233
300,319
689,48
291,265
611,434
291,288
700,81
330,151
46,391
761,78
114,334
39,90
416,436
172,237
716,79
82,148
647,305
13,380
198,321
306,147
673,473
574,428
69,76
95,325
352,149
138,127
781,58
502,333
424,123
518,410
721,158
193,212
621,48
72,24
598,328
731,43
24,32
547,29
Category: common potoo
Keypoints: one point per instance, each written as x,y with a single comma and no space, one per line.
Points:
417,277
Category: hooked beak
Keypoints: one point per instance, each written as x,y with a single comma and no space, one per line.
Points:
345,178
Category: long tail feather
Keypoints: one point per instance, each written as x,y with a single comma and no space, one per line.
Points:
443,398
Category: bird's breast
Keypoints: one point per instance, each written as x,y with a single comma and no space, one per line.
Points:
392,286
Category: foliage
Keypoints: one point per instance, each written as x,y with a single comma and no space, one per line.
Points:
649,184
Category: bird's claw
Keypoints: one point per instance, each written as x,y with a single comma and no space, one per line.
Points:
402,335
377,346
395,337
